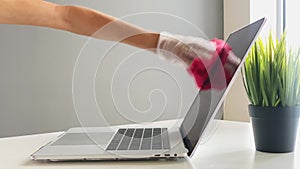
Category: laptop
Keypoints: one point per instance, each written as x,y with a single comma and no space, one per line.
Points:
145,141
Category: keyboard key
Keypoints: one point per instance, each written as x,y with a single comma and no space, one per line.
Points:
116,140
156,139
126,139
136,141
146,142
165,139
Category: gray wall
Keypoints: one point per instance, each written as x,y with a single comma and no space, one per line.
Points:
36,66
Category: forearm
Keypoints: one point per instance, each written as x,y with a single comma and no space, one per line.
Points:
89,22
75,19
30,12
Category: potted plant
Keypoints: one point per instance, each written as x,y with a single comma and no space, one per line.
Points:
272,83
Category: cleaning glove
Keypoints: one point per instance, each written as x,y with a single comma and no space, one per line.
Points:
207,61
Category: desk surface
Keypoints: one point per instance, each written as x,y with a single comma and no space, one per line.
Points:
230,147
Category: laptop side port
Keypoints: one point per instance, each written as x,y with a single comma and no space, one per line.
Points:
167,155
157,155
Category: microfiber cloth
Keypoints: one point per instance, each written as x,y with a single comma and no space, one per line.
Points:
199,68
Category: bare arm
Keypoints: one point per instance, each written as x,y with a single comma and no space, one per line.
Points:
75,19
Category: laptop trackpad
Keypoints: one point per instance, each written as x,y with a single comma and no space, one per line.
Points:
71,139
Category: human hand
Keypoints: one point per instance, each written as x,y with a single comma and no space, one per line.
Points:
205,60
183,49
218,70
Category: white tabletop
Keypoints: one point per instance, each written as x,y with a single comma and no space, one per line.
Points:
230,147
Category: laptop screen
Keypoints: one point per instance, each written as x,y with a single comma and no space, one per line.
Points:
207,102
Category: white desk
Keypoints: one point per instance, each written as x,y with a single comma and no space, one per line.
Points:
230,147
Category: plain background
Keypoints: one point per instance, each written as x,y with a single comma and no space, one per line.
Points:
37,64
248,11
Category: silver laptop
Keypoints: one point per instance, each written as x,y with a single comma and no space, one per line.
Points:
148,141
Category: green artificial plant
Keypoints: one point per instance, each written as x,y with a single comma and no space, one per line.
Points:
271,74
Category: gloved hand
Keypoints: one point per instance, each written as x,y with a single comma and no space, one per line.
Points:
202,58
183,49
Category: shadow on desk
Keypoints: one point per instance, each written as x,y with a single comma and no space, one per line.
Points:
280,160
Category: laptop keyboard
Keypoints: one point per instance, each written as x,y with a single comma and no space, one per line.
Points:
140,139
